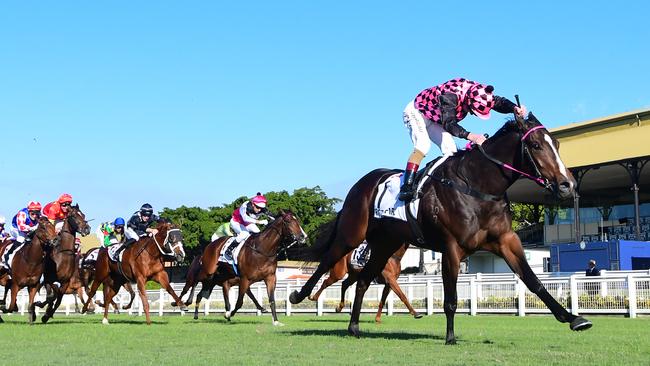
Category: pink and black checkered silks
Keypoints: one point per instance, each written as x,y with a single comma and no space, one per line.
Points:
470,94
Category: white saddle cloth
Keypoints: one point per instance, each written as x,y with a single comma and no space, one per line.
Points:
387,203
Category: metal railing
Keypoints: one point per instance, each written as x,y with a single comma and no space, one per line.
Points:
615,292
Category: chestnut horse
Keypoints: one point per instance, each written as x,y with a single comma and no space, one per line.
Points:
388,277
87,276
207,284
61,263
141,262
27,266
463,208
257,261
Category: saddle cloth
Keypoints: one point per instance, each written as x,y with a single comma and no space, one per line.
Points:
10,258
112,251
387,203
359,258
90,258
235,253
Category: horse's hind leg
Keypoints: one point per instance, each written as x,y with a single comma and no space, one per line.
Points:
384,296
378,258
254,300
392,283
336,273
352,278
129,288
510,249
4,297
243,288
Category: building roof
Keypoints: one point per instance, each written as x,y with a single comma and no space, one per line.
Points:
599,147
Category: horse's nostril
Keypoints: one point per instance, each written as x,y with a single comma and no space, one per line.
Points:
565,186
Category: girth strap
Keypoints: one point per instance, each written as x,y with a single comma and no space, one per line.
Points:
466,189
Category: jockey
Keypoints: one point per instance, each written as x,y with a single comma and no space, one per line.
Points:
58,210
222,230
4,234
24,222
138,226
117,236
244,220
434,116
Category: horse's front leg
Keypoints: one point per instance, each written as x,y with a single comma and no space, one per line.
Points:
244,284
163,279
32,306
510,249
270,282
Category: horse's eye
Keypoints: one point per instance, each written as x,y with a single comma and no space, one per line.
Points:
536,146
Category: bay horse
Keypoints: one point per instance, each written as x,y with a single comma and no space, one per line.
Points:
257,261
5,280
27,266
388,277
61,261
463,209
87,276
197,273
141,262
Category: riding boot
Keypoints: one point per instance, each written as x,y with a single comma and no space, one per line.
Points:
230,249
126,244
407,192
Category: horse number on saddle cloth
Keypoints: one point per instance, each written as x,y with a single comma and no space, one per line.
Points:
10,257
387,203
112,250
235,253
359,257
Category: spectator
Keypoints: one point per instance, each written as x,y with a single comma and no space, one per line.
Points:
593,288
592,270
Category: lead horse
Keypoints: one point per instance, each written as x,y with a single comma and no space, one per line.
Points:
463,208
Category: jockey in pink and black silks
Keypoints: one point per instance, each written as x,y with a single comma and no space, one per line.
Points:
434,115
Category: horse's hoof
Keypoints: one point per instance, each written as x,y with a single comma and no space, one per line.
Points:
295,297
196,317
338,309
417,315
183,308
580,323
311,298
277,324
1,321
450,342
44,319
173,303
378,320
263,310
353,330
227,315
105,321
188,302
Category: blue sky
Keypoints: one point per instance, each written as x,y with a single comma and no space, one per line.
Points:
198,103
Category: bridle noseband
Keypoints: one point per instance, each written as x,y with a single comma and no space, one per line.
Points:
168,248
282,237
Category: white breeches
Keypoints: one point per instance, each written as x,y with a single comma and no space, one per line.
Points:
423,131
243,231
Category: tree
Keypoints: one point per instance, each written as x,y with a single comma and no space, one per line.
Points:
524,215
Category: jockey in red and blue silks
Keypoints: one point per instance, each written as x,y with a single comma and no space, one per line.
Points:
434,115
23,223
245,220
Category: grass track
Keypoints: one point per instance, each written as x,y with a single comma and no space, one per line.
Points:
309,340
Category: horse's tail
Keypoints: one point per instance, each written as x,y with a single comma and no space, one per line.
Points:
324,238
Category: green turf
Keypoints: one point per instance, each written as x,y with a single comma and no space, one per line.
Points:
309,340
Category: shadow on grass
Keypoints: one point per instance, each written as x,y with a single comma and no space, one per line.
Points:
372,335
221,320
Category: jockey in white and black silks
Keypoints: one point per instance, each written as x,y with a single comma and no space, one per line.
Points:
434,115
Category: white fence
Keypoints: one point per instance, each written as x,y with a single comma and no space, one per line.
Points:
615,292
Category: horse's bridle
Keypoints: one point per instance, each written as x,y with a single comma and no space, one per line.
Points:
525,153
168,248
282,237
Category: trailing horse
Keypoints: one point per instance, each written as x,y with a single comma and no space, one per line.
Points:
87,276
463,209
141,262
27,266
61,263
388,277
257,261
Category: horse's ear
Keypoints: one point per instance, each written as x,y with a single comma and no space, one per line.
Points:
521,123
532,118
